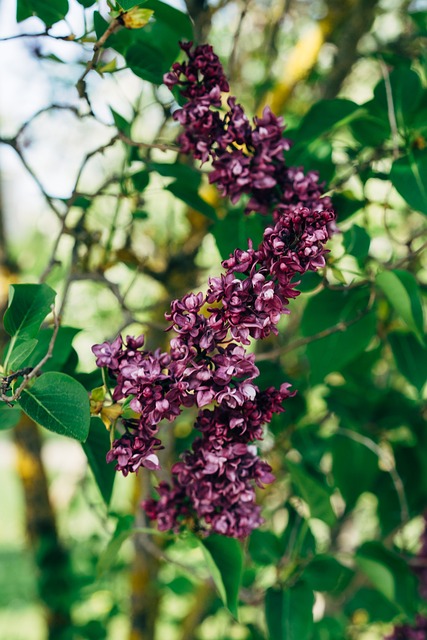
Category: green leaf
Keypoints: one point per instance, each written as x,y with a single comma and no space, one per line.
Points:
87,3
370,129
353,479
325,116
189,195
235,230
147,61
58,403
181,585
316,495
121,123
9,416
61,349
124,530
20,353
409,178
357,242
156,46
325,573
372,604
309,281
28,306
328,309
390,574
402,291
411,358
96,448
289,612
140,180
82,202
406,89
329,629
224,558
178,170
297,538
314,155
47,10
140,215
177,20
346,205
264,547
128,4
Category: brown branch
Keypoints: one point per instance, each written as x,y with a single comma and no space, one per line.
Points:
146,145
340,327
233,55
389,466
391,113
12,142
70,38
91,64
358,22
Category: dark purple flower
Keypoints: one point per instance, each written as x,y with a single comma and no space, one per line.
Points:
108,353
207,365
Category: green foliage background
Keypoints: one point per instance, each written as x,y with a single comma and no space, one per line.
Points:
140,226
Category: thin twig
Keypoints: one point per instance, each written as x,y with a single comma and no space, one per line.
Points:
146,145
390,109
35,370
70,38
233,55
91,64
390,467
12,142
341,326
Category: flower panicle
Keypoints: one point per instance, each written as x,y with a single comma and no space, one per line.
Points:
207,365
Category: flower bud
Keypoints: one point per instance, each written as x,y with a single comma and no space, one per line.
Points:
136,18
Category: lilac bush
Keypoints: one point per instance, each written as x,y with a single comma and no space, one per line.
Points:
207,365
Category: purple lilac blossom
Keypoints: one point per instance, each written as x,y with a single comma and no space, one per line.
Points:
207,365
245,159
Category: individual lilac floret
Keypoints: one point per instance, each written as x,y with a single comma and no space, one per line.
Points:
108,353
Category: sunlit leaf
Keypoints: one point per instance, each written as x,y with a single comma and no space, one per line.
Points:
224,558
59,403
402,291
390,574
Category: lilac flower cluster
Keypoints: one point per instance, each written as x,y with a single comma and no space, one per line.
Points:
245,159
207,365
418,630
